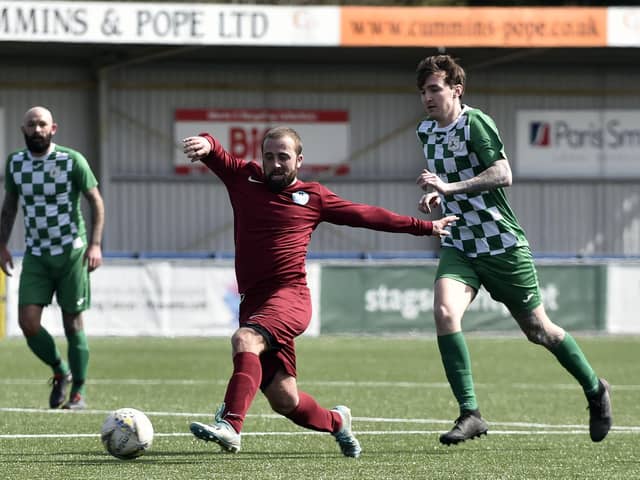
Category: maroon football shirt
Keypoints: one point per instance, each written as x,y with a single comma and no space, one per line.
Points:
272,230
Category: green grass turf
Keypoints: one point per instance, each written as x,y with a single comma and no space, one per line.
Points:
393,385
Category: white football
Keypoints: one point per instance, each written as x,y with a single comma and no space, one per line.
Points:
127,433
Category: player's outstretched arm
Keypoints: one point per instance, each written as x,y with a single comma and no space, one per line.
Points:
440,226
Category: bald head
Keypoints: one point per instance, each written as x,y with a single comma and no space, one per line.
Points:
39,113
38,129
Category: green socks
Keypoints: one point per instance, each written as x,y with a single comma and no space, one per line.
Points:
571,357
44,347
78,352
457,366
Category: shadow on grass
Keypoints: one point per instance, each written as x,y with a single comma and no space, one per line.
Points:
92,457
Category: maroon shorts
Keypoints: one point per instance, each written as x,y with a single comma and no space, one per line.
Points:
280,316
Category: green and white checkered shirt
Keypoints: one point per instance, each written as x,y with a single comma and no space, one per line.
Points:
460,151
49,191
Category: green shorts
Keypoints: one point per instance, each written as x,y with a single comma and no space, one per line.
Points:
509,277
64,274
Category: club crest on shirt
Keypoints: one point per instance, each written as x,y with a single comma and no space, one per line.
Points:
454,144
300,197
55,171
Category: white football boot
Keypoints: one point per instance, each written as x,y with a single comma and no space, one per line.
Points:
220,432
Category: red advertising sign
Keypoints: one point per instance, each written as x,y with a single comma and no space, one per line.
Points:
324,133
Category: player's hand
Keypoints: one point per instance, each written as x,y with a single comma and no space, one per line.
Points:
6,260
196,148
428,201
427,180
93,257
439,226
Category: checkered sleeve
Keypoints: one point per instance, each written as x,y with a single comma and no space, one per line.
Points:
461,151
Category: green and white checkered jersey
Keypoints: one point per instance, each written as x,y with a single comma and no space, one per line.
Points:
460,151
49,191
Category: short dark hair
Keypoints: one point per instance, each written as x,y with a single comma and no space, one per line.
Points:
279,132
454,73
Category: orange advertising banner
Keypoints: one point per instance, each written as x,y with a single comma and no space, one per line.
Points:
474,26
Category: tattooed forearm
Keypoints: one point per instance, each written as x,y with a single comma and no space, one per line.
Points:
497,175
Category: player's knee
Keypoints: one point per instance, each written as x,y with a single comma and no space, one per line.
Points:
29,326
29,329
444,317
29,319
247,340
72,323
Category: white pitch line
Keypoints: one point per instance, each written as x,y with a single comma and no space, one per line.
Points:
423,421
305,433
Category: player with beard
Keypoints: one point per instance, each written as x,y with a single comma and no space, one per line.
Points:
275,214
47,180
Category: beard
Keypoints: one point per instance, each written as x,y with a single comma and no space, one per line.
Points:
278,185
37,144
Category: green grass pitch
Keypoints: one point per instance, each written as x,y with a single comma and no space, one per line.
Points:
394,386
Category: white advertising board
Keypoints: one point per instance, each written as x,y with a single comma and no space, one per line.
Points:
157,298
623,26
169,23
578,143
623,298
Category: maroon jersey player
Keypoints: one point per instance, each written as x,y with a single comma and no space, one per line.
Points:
275,214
